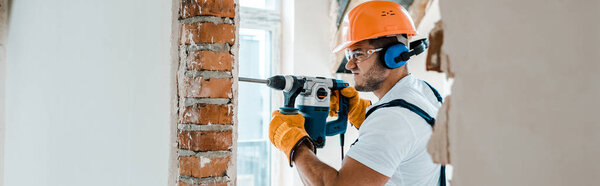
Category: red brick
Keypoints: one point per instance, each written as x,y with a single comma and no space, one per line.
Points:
204,114
220,8
203,166
207,32
208,60
204,184
199,87
205,140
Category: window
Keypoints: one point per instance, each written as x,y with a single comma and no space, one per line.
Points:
259,4
258,57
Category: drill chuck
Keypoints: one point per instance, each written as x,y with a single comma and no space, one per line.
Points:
276,82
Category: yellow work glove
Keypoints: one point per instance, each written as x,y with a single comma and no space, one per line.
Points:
287,133
357,107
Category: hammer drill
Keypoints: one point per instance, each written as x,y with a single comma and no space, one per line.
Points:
312,95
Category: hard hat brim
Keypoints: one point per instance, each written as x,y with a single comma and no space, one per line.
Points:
347,44
343,46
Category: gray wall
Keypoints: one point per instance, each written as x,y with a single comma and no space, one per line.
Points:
88,91
3,31
4,4
525,97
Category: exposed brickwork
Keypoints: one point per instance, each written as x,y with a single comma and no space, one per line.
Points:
203,166
205,140
220,8
208,60
205,88
207,33
205,114
199,87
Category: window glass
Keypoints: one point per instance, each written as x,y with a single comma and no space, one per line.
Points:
253,161
262,4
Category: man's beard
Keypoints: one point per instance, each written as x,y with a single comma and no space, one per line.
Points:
373,79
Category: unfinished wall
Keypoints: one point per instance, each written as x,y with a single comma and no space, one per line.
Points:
207,78
524,101
3,31
87,97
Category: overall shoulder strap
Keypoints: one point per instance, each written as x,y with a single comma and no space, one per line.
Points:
404,104
435,92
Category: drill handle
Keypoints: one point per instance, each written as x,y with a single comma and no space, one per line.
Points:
339,125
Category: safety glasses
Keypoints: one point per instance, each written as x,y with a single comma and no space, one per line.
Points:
360,54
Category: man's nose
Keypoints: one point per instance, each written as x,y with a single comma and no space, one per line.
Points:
350,65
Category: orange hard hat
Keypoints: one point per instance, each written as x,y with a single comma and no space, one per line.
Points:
375,19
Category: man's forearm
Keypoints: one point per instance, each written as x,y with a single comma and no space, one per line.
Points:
312,170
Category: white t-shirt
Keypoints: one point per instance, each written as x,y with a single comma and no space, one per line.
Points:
393,140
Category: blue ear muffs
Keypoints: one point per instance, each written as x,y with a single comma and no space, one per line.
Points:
398,54
391,53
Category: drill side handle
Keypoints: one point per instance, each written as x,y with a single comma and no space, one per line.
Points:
339,125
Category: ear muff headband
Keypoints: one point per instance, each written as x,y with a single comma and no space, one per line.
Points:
398,54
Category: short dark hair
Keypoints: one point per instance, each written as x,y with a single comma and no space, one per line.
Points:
382,42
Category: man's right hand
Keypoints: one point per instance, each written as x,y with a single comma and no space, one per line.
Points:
357,106
287,133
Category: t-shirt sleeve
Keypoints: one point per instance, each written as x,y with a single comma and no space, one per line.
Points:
384,140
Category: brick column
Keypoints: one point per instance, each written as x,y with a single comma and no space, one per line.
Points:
206,84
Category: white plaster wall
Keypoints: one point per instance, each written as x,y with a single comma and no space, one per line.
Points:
3,31
88,91
2,108
312,56
525,97
2,103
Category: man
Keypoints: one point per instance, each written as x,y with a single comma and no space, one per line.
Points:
391,147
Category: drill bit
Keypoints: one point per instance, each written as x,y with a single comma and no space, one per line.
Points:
253,80
276,82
